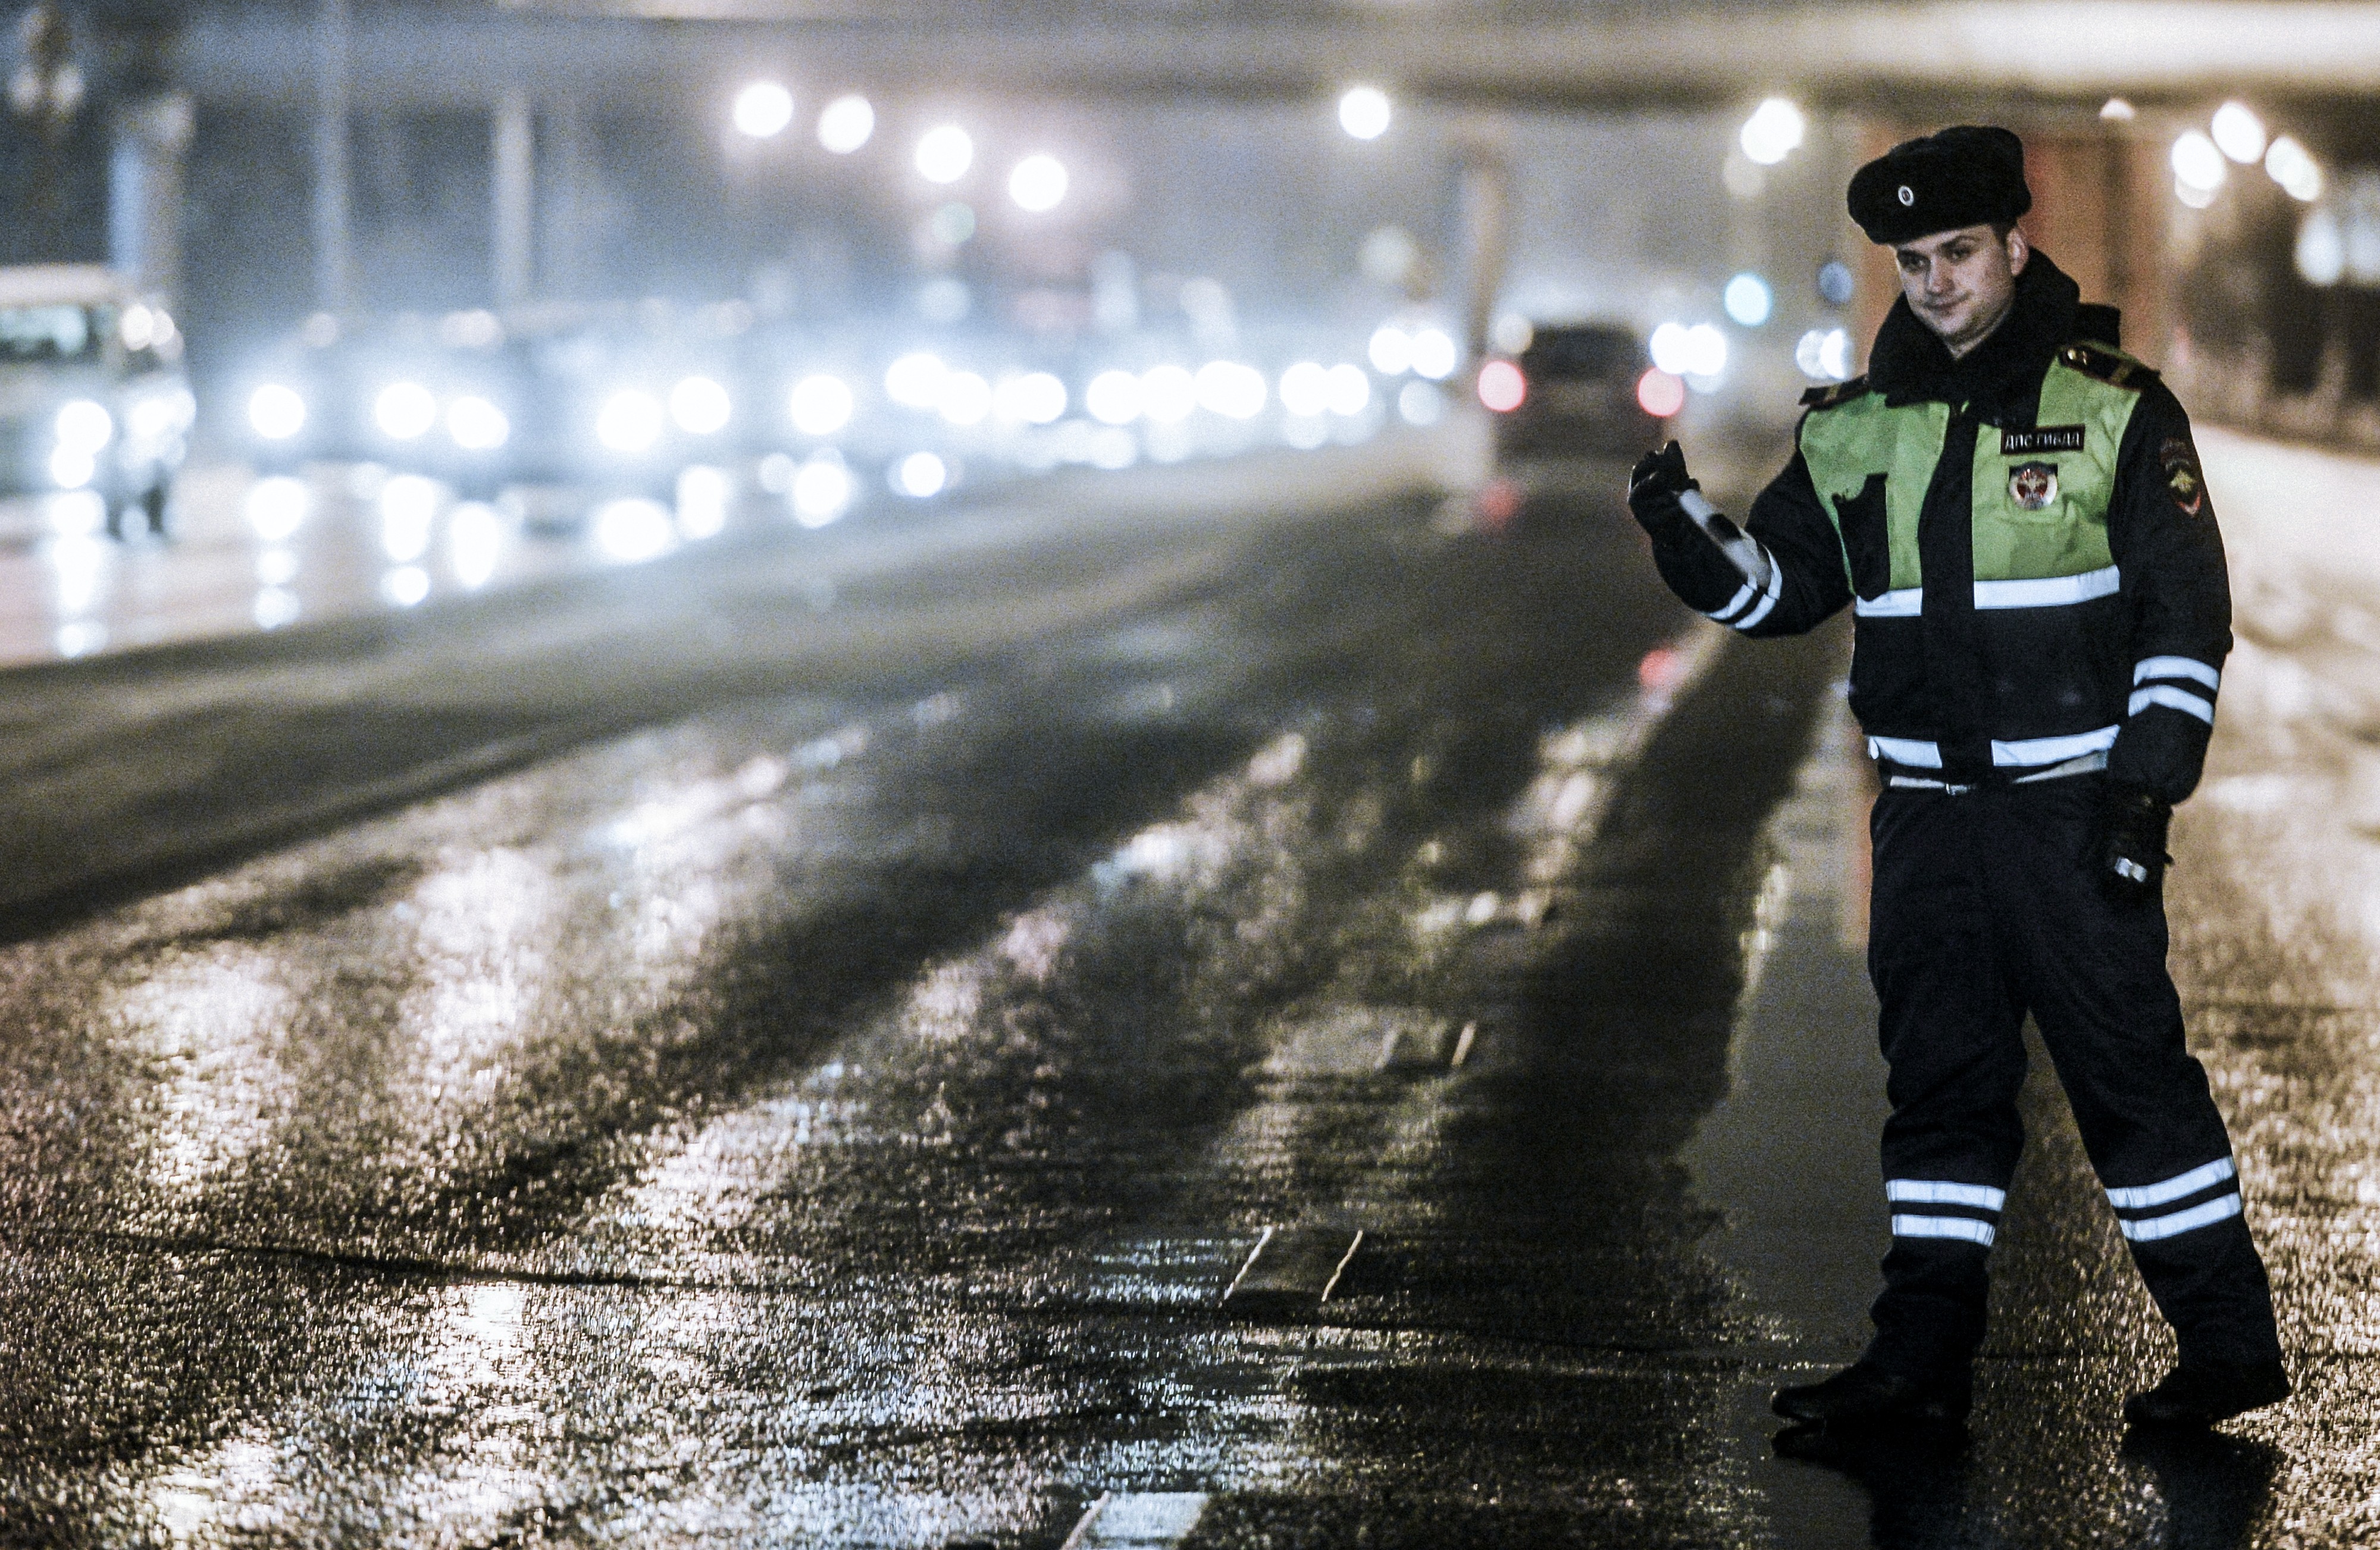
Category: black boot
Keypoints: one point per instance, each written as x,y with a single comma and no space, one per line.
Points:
1864,1394
2203,1393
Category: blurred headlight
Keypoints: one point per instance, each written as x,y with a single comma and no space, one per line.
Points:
1036,398
822,492
820,404
1168,393
920,476
1114,397
1433,354
72,468
629,421
1305,388
916,380
964,398
84,424
1231,388
476,425
405,411
699,406
1349,390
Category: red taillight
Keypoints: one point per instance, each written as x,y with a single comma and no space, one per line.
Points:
1501,386
1660,395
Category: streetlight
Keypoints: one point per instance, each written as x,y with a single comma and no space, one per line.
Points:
1363,112
1772,132
763,109
1038,183
845,124
2239,133
944,153
2198,169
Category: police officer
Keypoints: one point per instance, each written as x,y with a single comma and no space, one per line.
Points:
2014,511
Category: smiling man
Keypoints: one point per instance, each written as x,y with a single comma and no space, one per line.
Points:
2012,509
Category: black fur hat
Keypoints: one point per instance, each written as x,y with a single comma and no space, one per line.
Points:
1967,176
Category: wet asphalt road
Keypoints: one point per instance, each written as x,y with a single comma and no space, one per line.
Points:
790,1045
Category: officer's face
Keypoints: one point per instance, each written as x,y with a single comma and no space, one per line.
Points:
1962,282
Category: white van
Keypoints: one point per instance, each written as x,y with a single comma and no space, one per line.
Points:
92,395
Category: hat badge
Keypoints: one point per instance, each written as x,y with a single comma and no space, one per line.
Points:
1908,196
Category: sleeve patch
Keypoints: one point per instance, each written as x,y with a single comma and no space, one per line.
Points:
2183,478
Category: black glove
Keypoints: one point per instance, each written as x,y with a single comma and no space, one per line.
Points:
1654,486
2127,850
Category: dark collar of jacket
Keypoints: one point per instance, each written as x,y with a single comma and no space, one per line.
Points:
2001,377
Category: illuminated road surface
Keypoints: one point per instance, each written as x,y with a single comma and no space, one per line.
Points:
790,1044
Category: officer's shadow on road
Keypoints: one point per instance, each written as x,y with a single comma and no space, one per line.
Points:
2210,1490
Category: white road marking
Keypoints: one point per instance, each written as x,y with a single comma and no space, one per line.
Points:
1137,1521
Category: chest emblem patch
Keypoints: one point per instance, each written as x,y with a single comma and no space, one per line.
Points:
2032,485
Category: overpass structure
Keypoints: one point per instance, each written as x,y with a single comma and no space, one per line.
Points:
1935,51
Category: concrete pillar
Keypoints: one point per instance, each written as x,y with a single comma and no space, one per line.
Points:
515,195
333,263
568,193
151,140
1484,229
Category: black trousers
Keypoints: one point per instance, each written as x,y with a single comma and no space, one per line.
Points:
1982,912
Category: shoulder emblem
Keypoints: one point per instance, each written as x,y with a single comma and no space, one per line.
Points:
2111,367
1832,394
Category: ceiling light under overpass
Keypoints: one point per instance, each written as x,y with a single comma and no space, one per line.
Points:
1038,183
2294,168
2321,251
763,109
2197,164
1363,112
847,124
944,153
2239,133
1772,132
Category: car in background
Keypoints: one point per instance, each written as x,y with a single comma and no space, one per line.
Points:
92,395
1577,391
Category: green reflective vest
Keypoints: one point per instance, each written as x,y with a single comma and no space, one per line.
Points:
2040,495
